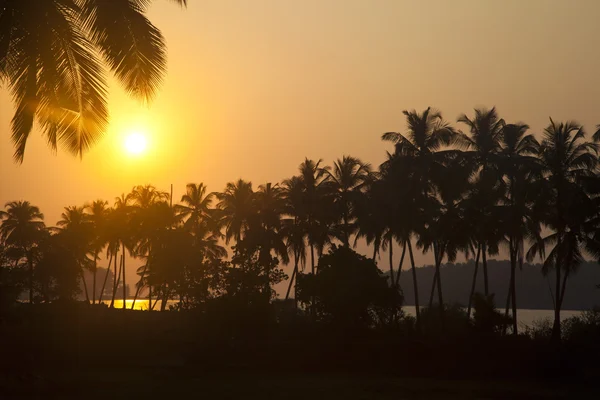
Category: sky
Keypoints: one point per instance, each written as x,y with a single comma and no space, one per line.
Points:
253,87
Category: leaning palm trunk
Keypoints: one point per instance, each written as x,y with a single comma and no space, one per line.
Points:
139,286
105,278
556,327
117,281
472,293
391,243
85,289
94,277
400,265
124,285
437,283
485,271
30,264
511,296
296,257
415,285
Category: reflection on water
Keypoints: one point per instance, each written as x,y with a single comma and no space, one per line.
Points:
140,304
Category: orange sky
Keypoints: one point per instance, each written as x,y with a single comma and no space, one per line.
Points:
255,86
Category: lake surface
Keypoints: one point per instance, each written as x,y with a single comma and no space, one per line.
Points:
525,316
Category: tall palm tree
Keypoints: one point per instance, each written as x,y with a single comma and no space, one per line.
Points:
484,144
21,227
150,215
346,180
520,211
52,55
418,162
76,228
236,209
318,208
98,212
566,159
294,226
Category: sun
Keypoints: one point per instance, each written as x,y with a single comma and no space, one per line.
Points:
135,143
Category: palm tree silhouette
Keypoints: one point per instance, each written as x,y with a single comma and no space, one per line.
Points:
345,181
75,226
52,55
21,227
484,144
150,214
236,208
566,158
520,212
98,212
294,226
318,206
418,161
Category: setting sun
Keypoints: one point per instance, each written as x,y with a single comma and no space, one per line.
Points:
135,143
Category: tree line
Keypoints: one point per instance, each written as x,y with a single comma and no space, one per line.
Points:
441,190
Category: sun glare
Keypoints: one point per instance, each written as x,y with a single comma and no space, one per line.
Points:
135,143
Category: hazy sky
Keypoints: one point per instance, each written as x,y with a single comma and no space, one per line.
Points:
255,86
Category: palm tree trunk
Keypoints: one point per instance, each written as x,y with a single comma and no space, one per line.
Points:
149,296
94,277
117,281
563,289
510,288
105,278
312,299
163,304
391,244
124,285
514,288
287,294
439,277
137,290
87,296
437,255
312,258
117,260
485,271
400,264
556,327
472,293
415,285
30,265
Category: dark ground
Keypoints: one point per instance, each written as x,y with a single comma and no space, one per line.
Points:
176,383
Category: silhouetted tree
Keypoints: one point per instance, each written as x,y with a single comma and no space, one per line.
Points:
52,55
566,157
21,228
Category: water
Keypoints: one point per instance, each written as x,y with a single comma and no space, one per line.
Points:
526,317
140,304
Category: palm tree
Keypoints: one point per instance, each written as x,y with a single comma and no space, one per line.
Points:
520,210
76,228
345,181
98,212
484,144
418,162
21,227
50,56
236,208
150,214
566,159
318,208
294,226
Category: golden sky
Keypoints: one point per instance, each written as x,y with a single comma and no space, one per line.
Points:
255,86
